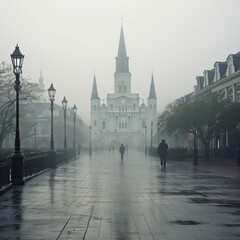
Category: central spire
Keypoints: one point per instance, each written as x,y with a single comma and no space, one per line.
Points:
152,92
122,58
94,89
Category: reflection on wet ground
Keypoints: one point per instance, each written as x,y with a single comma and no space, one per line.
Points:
105,198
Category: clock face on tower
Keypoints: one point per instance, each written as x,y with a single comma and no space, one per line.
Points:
123,101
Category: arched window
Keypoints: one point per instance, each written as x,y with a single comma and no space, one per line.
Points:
120,89
223,95
143,124
125,89
94,107
95,122
238,94
103,124
230,95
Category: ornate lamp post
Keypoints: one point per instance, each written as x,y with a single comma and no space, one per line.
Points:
51,94
74,127
158,130
151,135
90,141
64,105
17,168
195,150
145,139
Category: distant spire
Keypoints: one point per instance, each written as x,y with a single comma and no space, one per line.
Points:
122,59
41,83
94,89
152,92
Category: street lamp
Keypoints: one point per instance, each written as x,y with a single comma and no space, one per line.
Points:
74,127
17,168
158,130
64,105
51,94
90,141
151,134
195,150
35,137
145,139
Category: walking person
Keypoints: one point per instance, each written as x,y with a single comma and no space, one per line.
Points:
162,152
122,151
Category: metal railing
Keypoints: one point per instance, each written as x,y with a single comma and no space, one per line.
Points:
4,175
33,165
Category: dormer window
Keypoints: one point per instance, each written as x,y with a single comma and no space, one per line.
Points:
205,79
216,74
230,67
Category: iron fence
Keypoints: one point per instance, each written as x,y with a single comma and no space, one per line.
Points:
4,175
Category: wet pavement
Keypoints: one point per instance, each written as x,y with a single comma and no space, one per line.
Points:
104,198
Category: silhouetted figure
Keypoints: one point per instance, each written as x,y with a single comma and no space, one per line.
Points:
122,151
162,152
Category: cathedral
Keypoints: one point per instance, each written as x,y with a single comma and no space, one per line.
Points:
122,119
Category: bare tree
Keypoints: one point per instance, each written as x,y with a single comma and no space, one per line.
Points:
29,93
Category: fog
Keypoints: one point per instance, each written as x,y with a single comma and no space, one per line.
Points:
69,39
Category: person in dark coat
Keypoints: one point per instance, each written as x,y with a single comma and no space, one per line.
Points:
122,151
162,152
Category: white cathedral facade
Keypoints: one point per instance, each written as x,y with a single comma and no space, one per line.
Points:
122,119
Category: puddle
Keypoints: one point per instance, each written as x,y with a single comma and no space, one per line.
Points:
180,193
232,225
218,202
186,222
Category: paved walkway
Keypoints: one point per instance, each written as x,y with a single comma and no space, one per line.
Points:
222,167
104,198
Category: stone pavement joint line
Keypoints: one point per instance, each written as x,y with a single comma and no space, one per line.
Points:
104,198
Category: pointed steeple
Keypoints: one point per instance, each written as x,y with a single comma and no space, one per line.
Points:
152,92
41,84
122,58
94,89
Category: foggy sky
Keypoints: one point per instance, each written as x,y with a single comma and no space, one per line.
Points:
68,39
